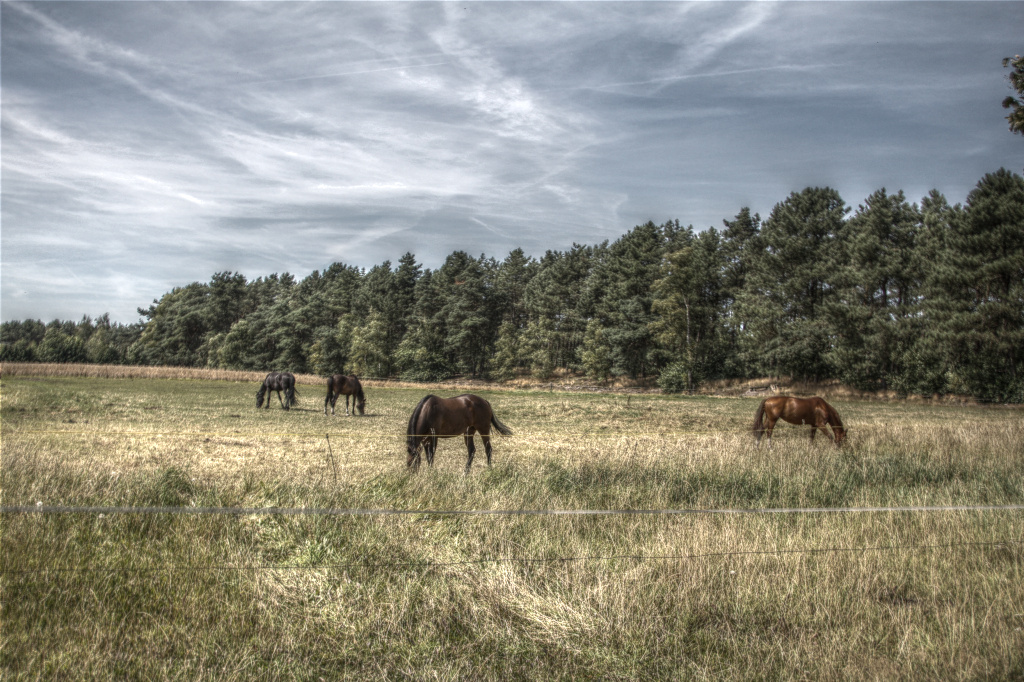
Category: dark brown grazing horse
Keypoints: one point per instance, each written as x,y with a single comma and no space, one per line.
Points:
278,381
814,411
437,418
339,384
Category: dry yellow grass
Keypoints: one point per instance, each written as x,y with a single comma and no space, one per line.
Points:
818,596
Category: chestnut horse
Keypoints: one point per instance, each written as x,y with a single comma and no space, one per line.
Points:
339,384
278,381
814,411
437,418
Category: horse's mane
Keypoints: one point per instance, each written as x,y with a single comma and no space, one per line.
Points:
834,416
411,432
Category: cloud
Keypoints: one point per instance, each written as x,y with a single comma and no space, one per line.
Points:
146,145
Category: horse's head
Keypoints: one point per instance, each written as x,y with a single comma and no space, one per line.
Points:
840,435
412,444
259,398
361,402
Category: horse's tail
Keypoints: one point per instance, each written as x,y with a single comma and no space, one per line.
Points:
758,427
290,394
502,429
412,440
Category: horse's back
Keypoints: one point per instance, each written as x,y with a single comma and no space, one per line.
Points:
798,410
452,416
343,383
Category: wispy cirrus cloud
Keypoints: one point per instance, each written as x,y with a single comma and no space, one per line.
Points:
145,145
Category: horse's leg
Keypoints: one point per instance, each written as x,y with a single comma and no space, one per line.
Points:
820,422
486,438
769,427
471,449
430,446
346,405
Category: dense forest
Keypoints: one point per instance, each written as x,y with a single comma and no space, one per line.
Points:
917,298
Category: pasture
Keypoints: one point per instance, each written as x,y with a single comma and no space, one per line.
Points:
834,596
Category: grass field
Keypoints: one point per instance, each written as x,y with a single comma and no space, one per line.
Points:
884,595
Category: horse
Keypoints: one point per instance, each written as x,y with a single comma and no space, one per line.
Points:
463,415
278,381
339,384
814,411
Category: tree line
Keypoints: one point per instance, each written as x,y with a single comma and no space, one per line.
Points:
917,298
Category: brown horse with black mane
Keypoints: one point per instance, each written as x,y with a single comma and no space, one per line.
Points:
339,384
436,418
278,381
814,411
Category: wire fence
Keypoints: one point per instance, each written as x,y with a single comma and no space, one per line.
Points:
41,509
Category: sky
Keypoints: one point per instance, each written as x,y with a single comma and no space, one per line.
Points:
147,145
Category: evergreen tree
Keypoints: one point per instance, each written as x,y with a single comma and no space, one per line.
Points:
983,279
687,300
875,313
228,301
739,240
596,352
510,284
175,330
508,355
59,346
1016,106
789,284
369,341
928,360
421,353
554,300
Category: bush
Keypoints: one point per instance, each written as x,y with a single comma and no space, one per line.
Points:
676,378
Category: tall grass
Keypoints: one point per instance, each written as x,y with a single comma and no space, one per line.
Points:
818,596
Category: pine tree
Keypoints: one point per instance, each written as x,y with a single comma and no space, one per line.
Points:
874,315
789,283
508,354
739,240
632,265
986,253
421,354
596,353
368,356
554,299
687,300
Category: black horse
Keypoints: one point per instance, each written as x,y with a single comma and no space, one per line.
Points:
278,381
445,417
339,384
